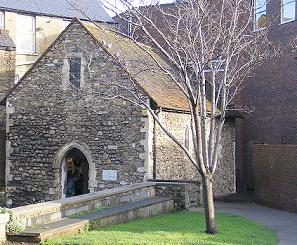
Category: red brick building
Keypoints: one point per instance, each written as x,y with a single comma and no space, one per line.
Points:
272,93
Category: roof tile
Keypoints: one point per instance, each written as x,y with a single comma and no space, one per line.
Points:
143,64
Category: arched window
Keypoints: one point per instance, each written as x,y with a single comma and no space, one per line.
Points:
129,27
187,138
75,72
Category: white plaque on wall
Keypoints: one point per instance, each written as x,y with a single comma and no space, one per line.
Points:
111,175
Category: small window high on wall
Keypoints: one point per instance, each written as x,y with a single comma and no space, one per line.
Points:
260,14
25,34
288,10
75,71
2,20
129,27
187,138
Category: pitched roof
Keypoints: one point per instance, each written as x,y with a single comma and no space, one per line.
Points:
140,64
61,8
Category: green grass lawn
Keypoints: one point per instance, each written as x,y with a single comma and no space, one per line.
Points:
177,228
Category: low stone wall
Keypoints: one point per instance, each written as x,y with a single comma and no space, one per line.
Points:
275,175
39,213
125,216
2,198
185,195
4,219
155,198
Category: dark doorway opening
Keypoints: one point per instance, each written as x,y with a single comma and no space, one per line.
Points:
75,174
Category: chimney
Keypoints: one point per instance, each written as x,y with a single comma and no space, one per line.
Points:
7,64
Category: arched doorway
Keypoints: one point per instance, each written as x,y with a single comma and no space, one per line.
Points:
60,161
74,173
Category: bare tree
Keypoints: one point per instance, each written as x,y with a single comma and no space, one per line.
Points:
212,49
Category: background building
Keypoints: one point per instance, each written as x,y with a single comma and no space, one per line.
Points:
267,139
34,25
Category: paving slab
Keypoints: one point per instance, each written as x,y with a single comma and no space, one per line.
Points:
284,223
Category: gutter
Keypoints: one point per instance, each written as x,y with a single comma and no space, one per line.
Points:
25,63
49,15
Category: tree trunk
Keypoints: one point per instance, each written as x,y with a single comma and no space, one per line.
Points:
209,206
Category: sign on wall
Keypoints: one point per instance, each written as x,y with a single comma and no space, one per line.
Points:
110,175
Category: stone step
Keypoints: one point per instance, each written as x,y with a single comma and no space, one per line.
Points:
46,212
123,213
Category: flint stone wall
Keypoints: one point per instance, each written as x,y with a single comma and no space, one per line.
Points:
45,114
7,71
2,198
2,146
7,75
185,195
173,164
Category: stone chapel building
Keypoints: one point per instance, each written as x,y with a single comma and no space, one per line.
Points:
63,121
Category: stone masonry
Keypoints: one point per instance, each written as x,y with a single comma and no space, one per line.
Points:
7,75
171,161
46,117
2,146
45,114
173,164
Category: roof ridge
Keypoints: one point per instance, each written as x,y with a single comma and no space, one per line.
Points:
114,30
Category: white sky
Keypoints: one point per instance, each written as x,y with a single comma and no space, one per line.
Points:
109,3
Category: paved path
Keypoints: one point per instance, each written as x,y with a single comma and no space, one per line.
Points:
284,223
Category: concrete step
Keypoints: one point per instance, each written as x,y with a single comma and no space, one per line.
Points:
123,213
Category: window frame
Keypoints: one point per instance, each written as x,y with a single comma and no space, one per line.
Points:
256,12
2,19
77,84
18,33
282,14
187,138
129,27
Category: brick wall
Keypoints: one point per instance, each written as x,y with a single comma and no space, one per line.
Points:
275,175
271,93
